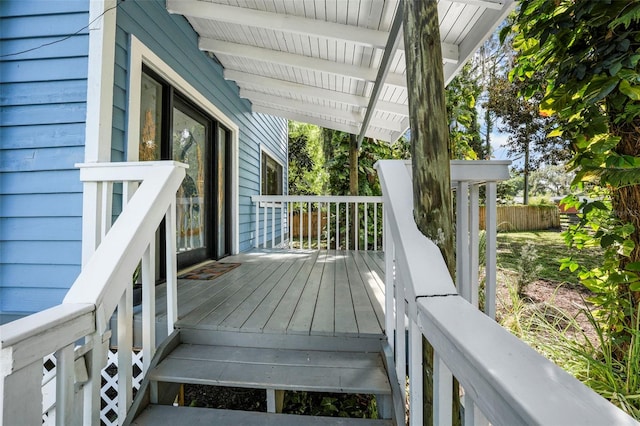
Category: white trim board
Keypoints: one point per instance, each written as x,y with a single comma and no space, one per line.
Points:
140,54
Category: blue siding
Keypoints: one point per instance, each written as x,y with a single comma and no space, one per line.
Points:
172,39
43,109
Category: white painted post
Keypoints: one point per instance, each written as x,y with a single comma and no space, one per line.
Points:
107,208
474,242
125,340
491,230
347,227
273,225
442,392
472,414
290,213
65,380
319,222
19,405
148,306
389,256
264,224
375,226
462,240
256,243
309,223
96,359
356,225
337,225
366,227
172,268
400,347
300,225
415,374
328,226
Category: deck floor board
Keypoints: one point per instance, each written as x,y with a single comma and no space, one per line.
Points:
309,293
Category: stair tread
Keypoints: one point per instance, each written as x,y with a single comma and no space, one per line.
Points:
285,369
165,414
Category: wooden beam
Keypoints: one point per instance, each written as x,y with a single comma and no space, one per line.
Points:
303,118
220,47
292,24
487,4
383,71
307,108
255,81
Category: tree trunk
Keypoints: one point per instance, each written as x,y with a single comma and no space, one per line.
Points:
525,197
353,186
432,206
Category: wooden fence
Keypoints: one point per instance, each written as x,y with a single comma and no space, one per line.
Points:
525,218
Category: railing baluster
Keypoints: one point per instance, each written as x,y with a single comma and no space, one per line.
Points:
107,206
337,225
366,227
309,223
442,392
375,226
65,377
400,346
319,219
125,340
328,226
462,240
415,374
273,224
171,267
474,242
282,220
491,249
389,257
256,244
346,236
264,224
148,302
300,224
290,224
96,357
356,225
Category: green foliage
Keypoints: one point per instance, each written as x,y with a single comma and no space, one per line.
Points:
330,405
464,130
528,268
307,175
371,151
590,50
599,228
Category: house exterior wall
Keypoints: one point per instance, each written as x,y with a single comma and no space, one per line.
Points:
172,39
42,130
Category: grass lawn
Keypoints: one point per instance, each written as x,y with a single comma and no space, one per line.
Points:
550,249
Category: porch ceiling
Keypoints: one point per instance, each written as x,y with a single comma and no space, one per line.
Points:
317,61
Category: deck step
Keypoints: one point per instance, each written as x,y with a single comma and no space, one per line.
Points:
279,369
168,415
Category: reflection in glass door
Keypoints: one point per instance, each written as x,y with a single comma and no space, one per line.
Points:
222,237
190,134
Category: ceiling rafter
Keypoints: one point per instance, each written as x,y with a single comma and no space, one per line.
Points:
219,47
301,117
288,103
245,79
293,24
487,4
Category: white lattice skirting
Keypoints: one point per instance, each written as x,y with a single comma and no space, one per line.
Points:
108,391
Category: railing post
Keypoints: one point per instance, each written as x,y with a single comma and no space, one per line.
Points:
148,306
65,381
389,257
172,268
95,359
256,243
19,404
442,392
491,218
400,347
125,340
474,241
415,374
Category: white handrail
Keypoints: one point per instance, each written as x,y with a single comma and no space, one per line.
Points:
504,380
292,218
103,285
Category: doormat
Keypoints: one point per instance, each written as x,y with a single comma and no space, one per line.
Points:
209,271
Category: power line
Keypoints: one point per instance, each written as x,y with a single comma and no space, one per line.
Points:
64,37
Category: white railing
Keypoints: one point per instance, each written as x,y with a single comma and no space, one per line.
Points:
504,381
328,222
77,330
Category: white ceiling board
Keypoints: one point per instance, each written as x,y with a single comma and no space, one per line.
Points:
323,55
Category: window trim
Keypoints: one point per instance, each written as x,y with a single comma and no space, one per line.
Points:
269,154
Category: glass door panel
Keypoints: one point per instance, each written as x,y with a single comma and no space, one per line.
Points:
150,119
189,146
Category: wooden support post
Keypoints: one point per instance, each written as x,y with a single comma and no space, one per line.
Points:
432,206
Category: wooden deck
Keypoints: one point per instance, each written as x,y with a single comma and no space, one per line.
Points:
326,293
331,294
